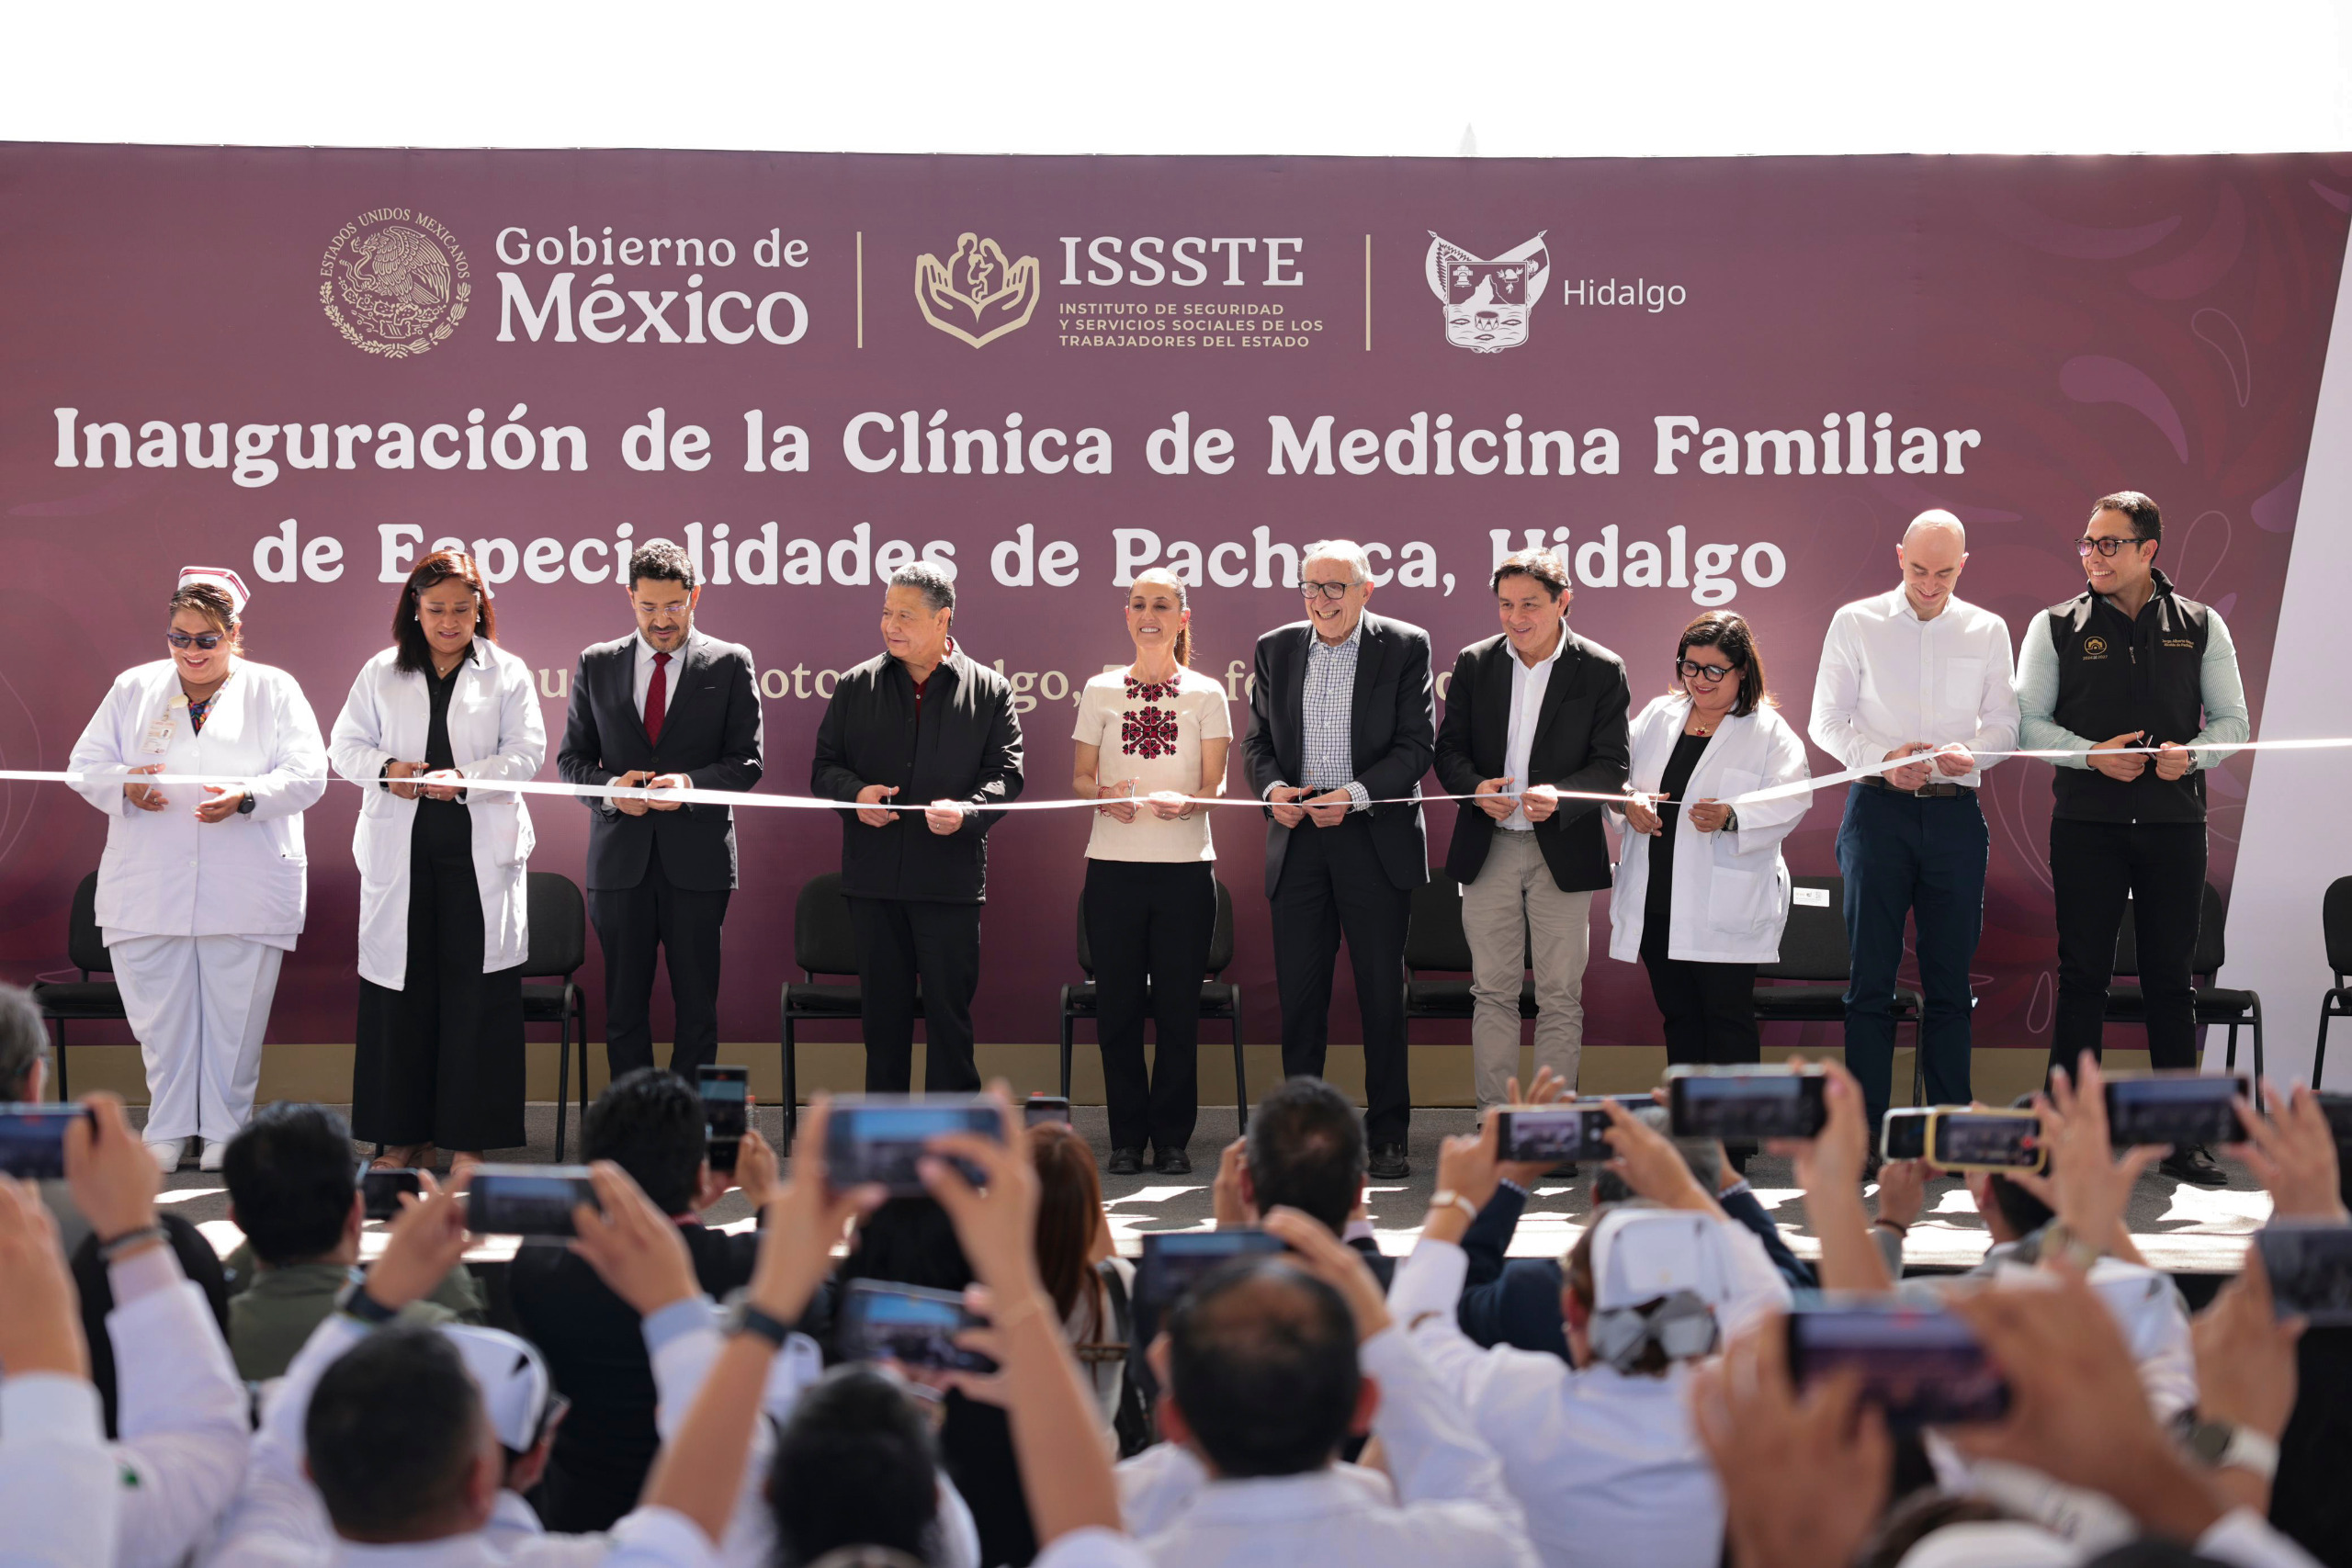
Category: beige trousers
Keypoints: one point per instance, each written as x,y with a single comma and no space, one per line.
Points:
1514,908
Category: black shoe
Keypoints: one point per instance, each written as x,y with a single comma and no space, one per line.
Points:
1871,1168
2191,1164
1388,1163
1174,1162
1125,1162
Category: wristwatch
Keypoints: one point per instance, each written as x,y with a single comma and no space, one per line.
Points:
2225,1445
1448,1197
245,806
353,1301
742,1317
2059,1240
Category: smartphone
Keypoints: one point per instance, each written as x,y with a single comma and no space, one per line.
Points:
32,1139
726,1094
1041,1108
1902,1133
1746,1104
527,1200
1553,1133
2311,1271
1173,1261
880,1137
1997,1141
1921,1365
880,1321
2174,1108
379,1191
1645,1100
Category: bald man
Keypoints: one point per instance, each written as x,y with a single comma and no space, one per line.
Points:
1915,672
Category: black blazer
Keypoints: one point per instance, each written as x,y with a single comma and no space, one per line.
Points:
595,1353
710,732
1394,735
967,747
1580,743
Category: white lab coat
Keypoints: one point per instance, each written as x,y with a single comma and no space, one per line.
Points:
1731,889
495,732
163,872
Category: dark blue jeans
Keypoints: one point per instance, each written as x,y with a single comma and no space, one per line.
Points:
1925,857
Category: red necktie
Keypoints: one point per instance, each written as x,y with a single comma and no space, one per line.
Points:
657,697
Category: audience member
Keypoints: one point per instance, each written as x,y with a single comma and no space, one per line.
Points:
649,1123
293,1190
1304,1151
1090,1285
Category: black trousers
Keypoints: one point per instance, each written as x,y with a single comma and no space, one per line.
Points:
1332,886
901,941
1710,1009
440,1060
681,924
1148,930
2094,867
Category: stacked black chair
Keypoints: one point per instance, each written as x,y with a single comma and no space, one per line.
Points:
822,943
2335,924
2217,1006
85,999
558,947
1808,984
1437,945
1219,1000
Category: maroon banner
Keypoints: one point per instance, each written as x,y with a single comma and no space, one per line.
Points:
1717,382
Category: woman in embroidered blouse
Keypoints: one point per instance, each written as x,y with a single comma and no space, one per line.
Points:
1152,739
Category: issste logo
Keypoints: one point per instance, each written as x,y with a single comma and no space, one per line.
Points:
975,294
395,282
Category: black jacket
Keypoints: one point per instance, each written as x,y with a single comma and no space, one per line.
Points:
1394,735
1580,744
595,1353
966,746
2119,673
710,732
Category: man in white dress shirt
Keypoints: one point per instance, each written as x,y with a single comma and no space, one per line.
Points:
1916,673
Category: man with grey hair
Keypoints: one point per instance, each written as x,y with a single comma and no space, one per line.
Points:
1339,717
1915,672
921,740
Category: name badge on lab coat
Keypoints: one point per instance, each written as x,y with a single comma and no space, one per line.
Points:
159,734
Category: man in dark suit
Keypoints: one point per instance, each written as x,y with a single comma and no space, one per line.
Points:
1339,717
924,722
665,708
650,1124
1529,714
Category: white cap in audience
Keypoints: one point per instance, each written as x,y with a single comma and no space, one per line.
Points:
2002,1544
512,1378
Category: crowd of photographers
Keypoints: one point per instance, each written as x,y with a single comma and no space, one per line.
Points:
677,1394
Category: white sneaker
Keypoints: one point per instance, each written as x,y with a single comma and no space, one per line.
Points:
216,1154
168,1155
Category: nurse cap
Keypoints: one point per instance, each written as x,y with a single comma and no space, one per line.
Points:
218,577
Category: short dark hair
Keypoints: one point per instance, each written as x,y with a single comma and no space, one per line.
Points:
929,579
649,1122
661,562
1306,1152
1261,1361
415,654
855,1465
23,1040
1729,632
392,1432
1541,565
2022,1212
2146,521
907,1241
292,1179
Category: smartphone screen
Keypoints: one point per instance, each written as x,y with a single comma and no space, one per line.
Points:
1553,1133
1173,1262
2311,1271
2174,1108
1903,1133
880,1321
32,1139
1041,1108
1921,1365
726,1092
527,1200
379,1191
1746,1104
1986,1140
880,1138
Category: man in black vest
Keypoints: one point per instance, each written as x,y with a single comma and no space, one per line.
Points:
1527,714
664,708
1339,717
921,720
2130,663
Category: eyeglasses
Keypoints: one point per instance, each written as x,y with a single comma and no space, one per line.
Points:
1327,590
1713,675
2107,547
195,639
